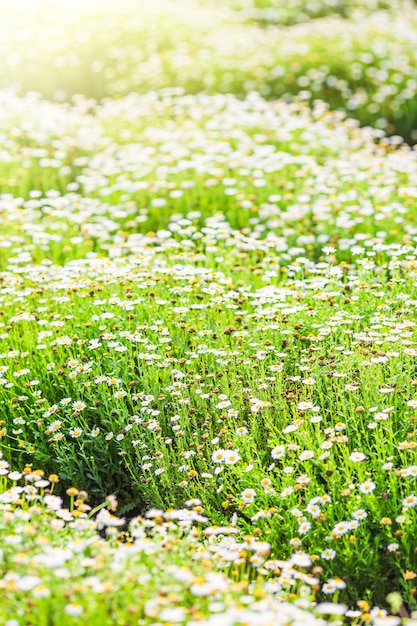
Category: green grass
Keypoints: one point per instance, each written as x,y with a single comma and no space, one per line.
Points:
208,313
242,280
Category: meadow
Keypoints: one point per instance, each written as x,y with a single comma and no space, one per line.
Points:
208,332
358,56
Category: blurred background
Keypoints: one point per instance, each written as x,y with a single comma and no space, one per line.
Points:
360,56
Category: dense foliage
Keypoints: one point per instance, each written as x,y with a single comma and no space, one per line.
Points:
208,314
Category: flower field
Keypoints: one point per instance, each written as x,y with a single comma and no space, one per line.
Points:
357,56
208,327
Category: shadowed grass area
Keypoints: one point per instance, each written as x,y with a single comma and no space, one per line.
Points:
267,12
